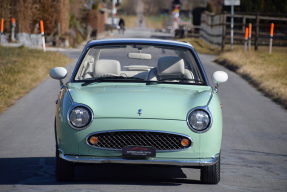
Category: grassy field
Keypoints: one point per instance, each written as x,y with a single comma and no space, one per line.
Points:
201,47
21,69
154,22
266,72
130,20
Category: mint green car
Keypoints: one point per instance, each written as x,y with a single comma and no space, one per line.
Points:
138,101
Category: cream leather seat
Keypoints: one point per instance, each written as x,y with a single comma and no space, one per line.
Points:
169,67
106,67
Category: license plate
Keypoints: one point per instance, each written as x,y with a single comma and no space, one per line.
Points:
132,151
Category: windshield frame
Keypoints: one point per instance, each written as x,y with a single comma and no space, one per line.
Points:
155,44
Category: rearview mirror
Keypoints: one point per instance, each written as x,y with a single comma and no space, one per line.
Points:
143,56
58,73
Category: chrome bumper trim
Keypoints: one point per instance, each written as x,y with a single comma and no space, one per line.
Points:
151,161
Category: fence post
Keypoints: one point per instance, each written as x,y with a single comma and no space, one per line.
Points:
249,36
257,32
231,27
59,29
271,37
246,37
223,32
243,22
43,38
1,31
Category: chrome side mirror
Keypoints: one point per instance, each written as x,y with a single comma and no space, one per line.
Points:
58,73
219,77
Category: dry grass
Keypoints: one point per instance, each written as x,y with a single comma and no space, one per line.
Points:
21,69
130,20
154,22
267,72
201,47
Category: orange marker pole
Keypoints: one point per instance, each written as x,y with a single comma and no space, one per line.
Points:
249,36
42,32
271,37
1,31
246,38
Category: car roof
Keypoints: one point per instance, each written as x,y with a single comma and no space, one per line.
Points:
139,40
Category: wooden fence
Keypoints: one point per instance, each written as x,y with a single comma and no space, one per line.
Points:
215,28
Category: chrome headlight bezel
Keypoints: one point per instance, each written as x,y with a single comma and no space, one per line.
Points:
205,109
75,105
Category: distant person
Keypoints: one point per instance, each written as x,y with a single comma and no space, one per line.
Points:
122,25
141,20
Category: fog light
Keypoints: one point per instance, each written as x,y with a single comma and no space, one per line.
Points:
184,142
93,140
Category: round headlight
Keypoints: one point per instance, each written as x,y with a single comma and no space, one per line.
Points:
80,117
199,120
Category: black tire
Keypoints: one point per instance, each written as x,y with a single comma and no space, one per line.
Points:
210,174
65,171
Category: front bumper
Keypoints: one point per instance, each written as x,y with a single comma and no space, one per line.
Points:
150,161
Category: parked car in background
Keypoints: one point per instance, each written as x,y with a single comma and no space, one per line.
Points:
138,101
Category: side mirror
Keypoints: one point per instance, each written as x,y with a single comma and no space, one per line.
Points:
58,73
219,77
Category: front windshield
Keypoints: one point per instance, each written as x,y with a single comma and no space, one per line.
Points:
139,63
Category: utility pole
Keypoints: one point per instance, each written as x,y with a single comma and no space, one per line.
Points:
113,12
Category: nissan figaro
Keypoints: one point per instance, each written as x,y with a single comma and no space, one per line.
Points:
138,101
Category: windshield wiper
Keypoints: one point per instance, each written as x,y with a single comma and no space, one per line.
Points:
104,78
169,79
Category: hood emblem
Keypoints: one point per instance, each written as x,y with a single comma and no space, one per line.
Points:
140,111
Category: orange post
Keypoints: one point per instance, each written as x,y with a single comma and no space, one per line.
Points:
246,33
1,31
2,25
13,20
249,36
42,27
42,32
271,37
272,29
246,38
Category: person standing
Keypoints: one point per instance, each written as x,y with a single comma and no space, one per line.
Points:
122,25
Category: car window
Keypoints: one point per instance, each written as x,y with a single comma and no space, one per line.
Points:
134,63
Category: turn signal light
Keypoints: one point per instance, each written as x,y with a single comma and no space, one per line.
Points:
93,140
184,142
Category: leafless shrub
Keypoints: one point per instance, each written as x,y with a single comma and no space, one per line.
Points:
29,12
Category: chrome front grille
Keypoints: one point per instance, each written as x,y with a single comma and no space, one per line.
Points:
163,141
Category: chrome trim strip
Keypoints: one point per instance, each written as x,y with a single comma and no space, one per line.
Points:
204,108
61,152
81,105
69,95
139,130
78,62
201,67
212,93
215,156
152,161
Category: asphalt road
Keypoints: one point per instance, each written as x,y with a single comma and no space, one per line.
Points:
254,148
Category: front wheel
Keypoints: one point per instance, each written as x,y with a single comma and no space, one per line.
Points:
211,174
65,171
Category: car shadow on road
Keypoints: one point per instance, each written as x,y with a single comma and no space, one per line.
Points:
41,171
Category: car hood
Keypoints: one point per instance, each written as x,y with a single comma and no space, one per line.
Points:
159,101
